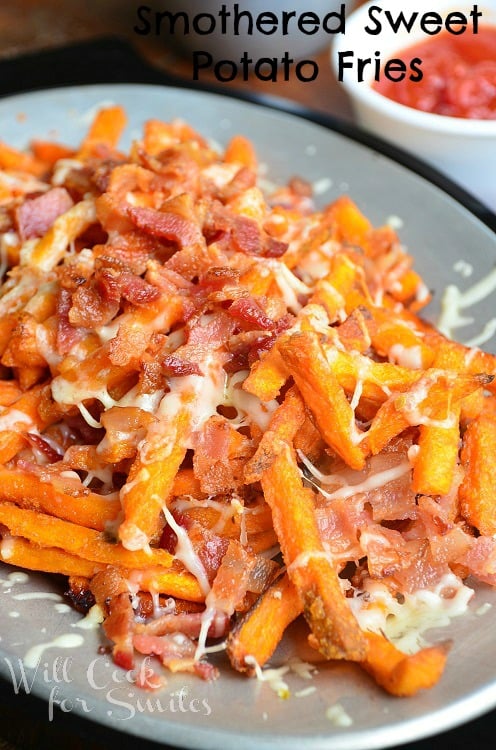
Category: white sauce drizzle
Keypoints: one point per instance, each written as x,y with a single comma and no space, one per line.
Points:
31,595
464,268
67,640
92,620
338,716
13,578
454,301
273,677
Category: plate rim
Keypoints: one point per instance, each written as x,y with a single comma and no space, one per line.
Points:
487,218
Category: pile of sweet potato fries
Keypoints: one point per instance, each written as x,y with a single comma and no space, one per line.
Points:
221,409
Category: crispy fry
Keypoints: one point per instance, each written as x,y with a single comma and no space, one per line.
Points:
106,130
150,482
403,674
26,554
81,507
434,467
323,395
479,484
333,626
240,150
13,159
269,618
75,539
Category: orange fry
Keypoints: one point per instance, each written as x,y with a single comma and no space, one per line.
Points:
403,674
335,630
323,395
26,554
106,129
77,540
80,507
258,633
477,491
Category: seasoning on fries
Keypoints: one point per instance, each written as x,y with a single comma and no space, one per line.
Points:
221,409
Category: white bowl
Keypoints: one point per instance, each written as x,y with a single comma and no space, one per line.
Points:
464,149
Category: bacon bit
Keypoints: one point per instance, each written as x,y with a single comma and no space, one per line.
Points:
137,291
247,310
174,365
97,302
216,278
299,186
103,172
35,216
206,671
165,225
239,573
214,334
40,444
131,250
176,651
112,595
480,559
243,179
67,334
209,547
246,236
118,626
187,623
211,457
265,343
274,248
80,595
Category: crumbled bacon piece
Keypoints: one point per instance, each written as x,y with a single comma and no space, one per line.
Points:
35,216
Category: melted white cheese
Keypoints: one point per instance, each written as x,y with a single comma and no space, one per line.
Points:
186,553
404,623
374,480
406,356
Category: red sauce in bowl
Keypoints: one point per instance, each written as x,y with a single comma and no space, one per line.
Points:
459,76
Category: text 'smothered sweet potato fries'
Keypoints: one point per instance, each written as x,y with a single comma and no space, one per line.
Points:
197,376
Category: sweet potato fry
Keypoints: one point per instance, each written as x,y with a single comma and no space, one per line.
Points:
49,250
334,627
403,674
150,482
323,395
240,150
85,508
105,130
434,466
258,632
77,540
20,161
477,491
26,554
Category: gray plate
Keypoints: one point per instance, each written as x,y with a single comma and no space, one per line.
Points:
189,713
